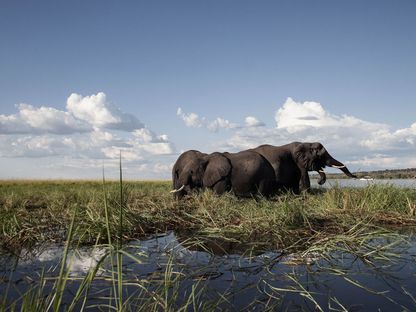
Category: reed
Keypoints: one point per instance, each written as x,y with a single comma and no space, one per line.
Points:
108,214
37,212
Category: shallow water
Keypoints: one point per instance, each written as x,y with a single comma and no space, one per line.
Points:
248,282
411,183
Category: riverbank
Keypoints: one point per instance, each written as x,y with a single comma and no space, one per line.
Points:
279,244
32,212
409,173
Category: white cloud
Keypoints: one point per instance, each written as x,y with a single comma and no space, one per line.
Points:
98,144
251,121
162,167
82,115
97,111
149,143
83,134
141,145
193,120
220,123
349,138
83,137
40,120
127,154
352,140
29,146
297,116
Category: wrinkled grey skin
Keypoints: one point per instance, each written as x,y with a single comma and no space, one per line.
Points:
180,163
245,174
291,163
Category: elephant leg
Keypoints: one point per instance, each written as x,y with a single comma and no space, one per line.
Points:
305,183
265,188
221,187
296,189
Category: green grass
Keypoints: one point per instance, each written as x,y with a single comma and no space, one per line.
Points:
36,212
106,214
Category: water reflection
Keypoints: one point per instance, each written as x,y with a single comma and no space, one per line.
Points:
293,281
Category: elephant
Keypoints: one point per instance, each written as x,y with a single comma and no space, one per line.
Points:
291,163
246,174
180,163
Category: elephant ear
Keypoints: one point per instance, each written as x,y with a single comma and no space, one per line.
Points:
300,154
217,169
317,149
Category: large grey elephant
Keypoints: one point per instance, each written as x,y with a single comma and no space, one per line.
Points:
245,173
291,163
180,164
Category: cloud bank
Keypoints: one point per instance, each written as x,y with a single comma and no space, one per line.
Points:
363,144
74,142
193,120
90,128
32,120
98,112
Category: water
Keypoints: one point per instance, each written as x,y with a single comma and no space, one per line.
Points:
410,183
248,282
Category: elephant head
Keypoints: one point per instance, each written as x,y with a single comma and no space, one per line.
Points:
201,172
314,157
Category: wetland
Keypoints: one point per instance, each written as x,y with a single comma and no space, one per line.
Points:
94,245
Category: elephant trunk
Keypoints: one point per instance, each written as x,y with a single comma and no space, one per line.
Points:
322,177
182,186
331,162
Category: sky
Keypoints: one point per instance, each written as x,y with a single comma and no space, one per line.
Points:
81,81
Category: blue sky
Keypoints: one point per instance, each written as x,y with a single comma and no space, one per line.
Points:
154,78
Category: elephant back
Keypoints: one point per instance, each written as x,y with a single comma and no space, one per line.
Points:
251,174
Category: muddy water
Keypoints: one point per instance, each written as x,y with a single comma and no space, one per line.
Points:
247,281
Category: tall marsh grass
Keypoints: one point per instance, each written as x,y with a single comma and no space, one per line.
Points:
109,213
35,212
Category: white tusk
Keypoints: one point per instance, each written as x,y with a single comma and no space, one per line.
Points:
338,167
321,171
178,190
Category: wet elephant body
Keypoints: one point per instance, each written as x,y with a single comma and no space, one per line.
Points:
246,174
251,174
291,163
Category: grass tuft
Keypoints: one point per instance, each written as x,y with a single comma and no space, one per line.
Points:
108,214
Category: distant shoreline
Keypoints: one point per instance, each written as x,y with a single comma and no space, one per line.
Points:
409,173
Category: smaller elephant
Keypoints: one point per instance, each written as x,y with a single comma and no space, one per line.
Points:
245,174
180,164
291,163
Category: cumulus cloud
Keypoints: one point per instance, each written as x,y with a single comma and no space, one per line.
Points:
193,120
251,121
354,141
147,141
142,144
41,120
89,130
29,146
83,114
97,111
220,123
297,116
